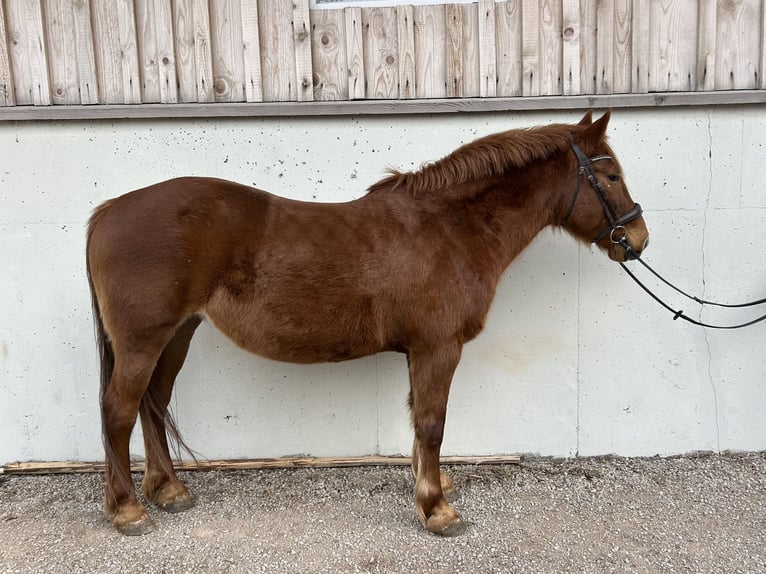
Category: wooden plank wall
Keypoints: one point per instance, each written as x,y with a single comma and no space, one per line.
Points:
65,52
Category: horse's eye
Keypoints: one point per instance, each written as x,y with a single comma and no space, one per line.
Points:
613,178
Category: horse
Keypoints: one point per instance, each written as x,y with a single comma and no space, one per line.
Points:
411,266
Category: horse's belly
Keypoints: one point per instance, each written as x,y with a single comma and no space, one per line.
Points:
316,333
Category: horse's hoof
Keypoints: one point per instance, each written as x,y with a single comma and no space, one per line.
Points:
451,494
178,504
454,529
143,525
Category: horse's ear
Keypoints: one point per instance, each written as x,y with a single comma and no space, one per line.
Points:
596,130
587,119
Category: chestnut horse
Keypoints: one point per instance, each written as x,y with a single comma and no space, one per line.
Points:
412,266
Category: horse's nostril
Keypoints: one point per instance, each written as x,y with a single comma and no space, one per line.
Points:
646,244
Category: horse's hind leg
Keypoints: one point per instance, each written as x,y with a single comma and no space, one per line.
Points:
119,409
161,486
430,378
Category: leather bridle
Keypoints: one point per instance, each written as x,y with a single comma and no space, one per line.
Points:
616,230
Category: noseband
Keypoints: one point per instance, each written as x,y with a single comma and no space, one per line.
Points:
616,229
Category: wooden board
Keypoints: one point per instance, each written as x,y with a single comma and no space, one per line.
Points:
72,467
673,45
454,44
550,47
114,43
570,50
328,54
640,48
588,46
706,48
405,17
530,48
487,49
622,62
62,52
304,86
430,54
381,63
470,50
738,44
277,50
7,97
228,58
27,50
508,48
251,51
355,53
605,47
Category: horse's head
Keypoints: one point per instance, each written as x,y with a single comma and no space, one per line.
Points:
601,210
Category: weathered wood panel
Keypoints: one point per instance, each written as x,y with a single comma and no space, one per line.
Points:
116,52
454,44
487,49
228,56
430,52
24,26
738,44
550,19
251,51
570,49
508,41
381,63
328,53
673,45
7,97
355,53
302,39
149,51
406,39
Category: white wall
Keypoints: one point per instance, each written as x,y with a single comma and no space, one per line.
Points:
574,358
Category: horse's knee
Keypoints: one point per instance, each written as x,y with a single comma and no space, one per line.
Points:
430,431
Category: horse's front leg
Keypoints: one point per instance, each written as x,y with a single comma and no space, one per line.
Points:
431,373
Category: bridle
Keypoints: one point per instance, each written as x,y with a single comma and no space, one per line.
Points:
617,234
616,230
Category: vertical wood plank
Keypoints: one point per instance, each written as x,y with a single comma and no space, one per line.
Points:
328,54
24,25
106,40
588,46
62,52
430,54
508,48
380,53
550,15
605,48
203,52
183,21
673,45
277,50
302,39
406,40
251,50
640,47
471,66
530,47
85,55
706,45
763,47
623,51
738,44
487,49
7,96
128,55
228,58
570,51
454,45
166,55
148,55
355,53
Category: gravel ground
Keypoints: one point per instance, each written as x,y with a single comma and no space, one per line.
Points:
686,514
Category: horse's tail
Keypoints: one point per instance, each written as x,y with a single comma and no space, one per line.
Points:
106,360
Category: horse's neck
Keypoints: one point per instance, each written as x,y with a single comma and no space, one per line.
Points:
513,212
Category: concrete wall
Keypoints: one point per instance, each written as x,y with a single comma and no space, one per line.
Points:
575,359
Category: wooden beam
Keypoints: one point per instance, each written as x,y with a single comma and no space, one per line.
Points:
382,107
79,467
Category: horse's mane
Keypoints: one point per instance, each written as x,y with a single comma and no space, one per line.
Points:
486,157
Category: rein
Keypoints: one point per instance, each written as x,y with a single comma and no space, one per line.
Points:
679,314
617,224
